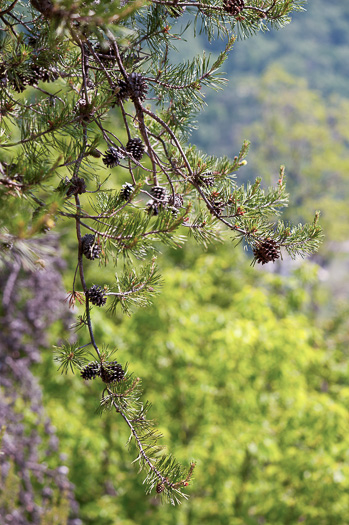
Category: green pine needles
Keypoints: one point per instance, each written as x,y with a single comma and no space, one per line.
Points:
95,118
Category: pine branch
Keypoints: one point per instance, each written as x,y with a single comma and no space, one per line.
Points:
135,289
66,69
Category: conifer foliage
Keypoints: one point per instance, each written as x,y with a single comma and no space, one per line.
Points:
67,72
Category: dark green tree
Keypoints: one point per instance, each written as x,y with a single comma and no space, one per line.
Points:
91,86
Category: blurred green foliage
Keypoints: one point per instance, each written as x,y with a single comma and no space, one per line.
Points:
241,381
314,47
309,134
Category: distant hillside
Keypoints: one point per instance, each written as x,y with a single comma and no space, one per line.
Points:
314,46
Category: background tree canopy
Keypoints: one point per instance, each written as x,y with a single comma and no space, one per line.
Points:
240,379
312,47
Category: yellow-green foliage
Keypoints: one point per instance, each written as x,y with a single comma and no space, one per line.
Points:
240,381
308,132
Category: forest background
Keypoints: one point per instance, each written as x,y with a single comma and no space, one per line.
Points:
247,370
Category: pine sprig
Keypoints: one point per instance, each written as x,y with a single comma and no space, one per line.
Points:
135,288
70,357
300,240
163,472
204,229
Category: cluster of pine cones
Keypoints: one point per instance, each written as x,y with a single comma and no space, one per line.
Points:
162,200
109,372
113,156
134,87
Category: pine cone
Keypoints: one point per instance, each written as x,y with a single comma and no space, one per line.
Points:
137,86
20,81
96,295
112,157
112,372
158,192
136,148
44,6
153,207
84,111
3,76
76,186
267,250
134,87
206,179
40,73
31,77
218,206
160,487
91,370
33,41
176,200
122,90
90,247
233,7
126,191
